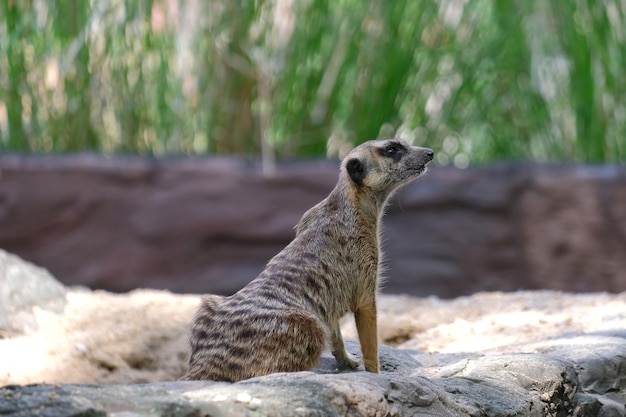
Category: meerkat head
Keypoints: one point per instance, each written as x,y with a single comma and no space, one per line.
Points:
382,166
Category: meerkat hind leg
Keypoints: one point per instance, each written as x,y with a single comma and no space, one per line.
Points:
295,345
344,359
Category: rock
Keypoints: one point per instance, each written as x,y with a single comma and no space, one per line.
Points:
24,286
211,224
506,385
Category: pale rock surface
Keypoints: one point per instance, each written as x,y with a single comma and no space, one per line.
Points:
75,352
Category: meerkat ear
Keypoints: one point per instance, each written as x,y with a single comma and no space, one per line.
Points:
356,170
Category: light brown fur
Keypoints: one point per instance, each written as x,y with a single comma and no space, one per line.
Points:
286,317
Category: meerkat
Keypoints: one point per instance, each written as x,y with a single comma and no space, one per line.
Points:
289,314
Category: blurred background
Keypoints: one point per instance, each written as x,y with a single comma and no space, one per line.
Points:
109,109
478,80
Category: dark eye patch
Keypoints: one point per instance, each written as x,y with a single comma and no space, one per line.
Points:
393,150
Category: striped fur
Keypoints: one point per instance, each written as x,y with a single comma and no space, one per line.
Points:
286,317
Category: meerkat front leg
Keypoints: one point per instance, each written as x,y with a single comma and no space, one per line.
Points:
344,359
367,328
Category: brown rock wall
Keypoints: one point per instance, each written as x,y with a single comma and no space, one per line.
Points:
211,224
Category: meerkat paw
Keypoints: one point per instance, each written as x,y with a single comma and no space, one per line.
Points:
347,361
372,366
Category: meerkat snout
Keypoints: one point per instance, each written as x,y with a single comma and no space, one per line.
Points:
429,154
285,318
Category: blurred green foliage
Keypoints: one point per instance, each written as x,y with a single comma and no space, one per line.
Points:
477,80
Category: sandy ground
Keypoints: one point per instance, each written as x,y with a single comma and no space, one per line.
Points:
103,337
141,336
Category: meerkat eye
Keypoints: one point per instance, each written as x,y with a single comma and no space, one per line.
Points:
395,151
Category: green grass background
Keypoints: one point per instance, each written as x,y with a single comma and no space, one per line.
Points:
477,80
